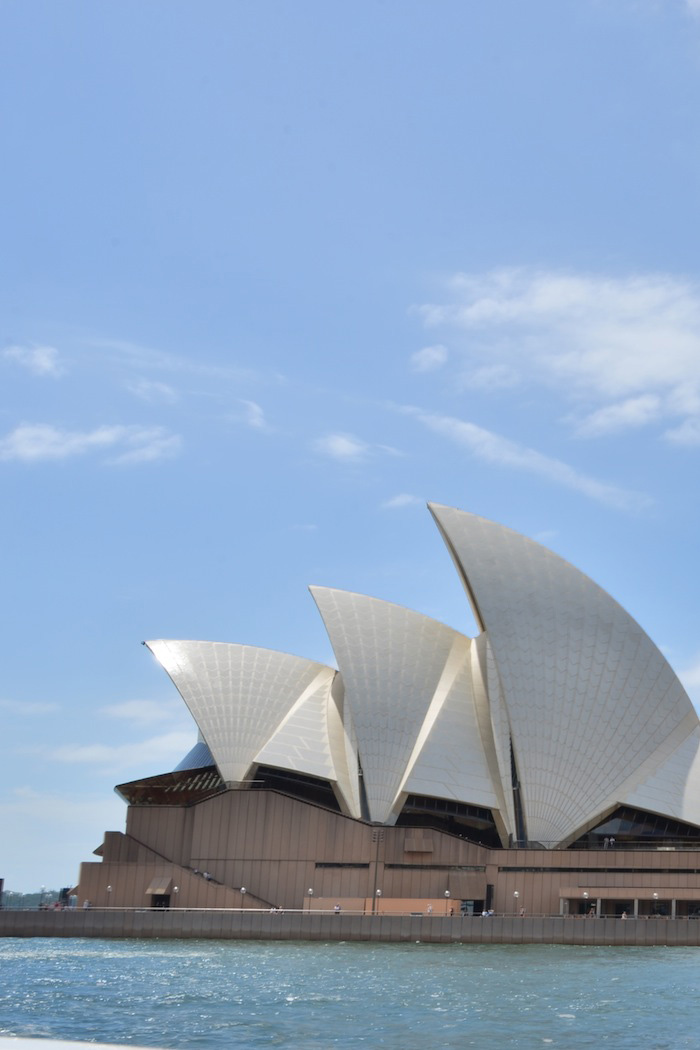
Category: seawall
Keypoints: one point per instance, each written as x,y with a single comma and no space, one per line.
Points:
313,926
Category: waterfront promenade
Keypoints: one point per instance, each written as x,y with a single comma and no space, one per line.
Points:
249,924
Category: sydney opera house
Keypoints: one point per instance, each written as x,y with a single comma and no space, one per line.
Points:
551,763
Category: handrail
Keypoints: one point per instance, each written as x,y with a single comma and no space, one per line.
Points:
353,911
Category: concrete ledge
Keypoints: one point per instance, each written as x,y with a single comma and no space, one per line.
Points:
314,926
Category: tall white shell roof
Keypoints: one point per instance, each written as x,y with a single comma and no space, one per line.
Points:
561,710
593,706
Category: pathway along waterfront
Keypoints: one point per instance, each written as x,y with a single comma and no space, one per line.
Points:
233,924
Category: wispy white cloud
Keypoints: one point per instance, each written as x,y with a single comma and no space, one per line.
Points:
344,447
634,412
39,360
63,808
252,415
137,355
404,499
146,445
493,377
688,433
625,350
37,442
23,707
156,752
500,451
429,359
144,712
545,536
153,392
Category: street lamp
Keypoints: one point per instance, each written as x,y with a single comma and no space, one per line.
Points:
176,890
109,896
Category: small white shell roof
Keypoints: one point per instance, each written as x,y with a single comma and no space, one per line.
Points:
451,756
593,706
407,682
253,705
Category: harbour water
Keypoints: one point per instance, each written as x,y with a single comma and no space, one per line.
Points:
300,996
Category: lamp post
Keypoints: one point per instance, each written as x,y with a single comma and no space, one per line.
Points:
109,896
243,893
447,902
311,893
516,894
176,890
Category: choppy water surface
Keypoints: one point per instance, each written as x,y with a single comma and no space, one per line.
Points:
222,995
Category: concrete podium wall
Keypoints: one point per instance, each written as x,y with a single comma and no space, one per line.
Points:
313,926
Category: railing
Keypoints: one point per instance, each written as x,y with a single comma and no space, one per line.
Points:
306,912
665,845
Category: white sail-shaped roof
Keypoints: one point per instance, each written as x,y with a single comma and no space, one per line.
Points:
592,705
311,739
450,756
250,702
407,684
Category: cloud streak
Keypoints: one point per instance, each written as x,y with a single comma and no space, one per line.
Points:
403,499
343,447
28,708
499,451
136,355
429,359
42,442
346,448
252,415
153,392
624,350
144,712
39,360
155,752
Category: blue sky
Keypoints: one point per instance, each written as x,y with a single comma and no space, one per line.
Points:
274,275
